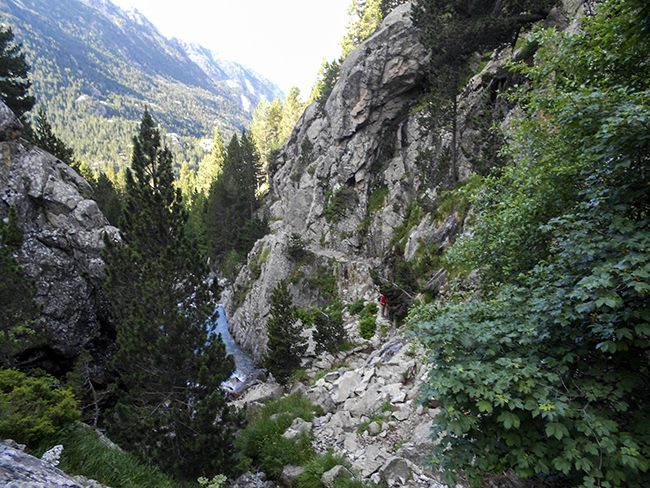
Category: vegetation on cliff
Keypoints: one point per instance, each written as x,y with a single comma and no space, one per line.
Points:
19,312
546,371
456,31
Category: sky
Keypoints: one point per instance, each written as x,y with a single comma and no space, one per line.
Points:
283,40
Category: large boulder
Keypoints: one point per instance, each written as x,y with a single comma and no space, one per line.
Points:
63,231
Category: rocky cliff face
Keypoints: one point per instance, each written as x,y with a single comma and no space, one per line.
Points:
360,181
365,143
63,232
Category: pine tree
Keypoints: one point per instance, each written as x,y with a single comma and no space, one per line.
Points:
45,138
170,407
258,128
211,166
229,220
455,30
14,83
274,124
186,182
291,112
328,75
364,16
285,347
329,332
17,308
108,196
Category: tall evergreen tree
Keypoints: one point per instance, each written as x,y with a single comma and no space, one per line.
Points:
14,83
211,166
455,30
274,124
17,308
285,347
229,220
291,112
258,128
170,407
328,75
108,198
45,138
186,182
364,16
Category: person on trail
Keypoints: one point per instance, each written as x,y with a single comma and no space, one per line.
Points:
382,302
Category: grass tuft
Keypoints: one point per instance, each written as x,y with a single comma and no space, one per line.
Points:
84,454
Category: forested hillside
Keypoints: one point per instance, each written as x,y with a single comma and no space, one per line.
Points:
94,68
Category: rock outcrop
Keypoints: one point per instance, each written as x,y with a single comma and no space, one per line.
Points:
346,182
21,470
63,231
351,177
325,175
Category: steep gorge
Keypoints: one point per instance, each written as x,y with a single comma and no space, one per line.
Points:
360,182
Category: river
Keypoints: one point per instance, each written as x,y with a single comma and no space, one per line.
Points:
243,363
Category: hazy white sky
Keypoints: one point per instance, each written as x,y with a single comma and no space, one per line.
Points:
283,40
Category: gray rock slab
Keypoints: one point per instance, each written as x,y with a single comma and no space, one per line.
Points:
337,473
345,386
18,469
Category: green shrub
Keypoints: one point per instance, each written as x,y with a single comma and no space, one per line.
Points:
377,198
262,439
337,205
277,452
375,417
412,218
306,153
367,326
370,309
299,375
325,282
297,247
547,373
368,321
356,307
311,477
84,454
458,200
32,408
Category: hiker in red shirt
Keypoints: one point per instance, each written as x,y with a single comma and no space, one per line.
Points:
382,302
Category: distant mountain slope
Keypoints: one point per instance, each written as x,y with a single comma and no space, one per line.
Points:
95,67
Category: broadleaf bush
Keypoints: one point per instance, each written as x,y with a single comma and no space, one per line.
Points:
546,370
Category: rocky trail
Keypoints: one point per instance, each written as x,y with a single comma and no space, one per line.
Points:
372,418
